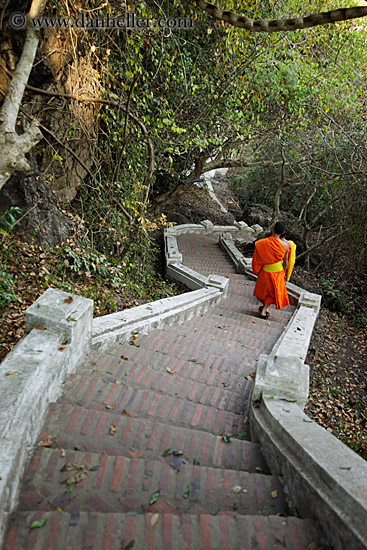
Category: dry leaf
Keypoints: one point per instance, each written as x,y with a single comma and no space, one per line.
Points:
155,518
79,476
72,466
11,372
61,348
118,381
124,358
237,488
62,453
113,429
58,509
40,327
170,371
68,300
46,442
274,494
124,413
111,406
268,323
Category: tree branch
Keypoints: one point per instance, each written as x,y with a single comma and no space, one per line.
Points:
282,25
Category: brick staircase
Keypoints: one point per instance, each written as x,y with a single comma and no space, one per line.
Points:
164,418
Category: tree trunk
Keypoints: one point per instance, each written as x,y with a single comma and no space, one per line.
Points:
14,147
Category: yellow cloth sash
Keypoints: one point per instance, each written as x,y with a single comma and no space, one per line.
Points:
273,268
291,260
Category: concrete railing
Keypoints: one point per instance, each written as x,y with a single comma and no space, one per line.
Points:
324,479
58,335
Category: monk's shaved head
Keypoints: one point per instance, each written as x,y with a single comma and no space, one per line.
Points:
280,228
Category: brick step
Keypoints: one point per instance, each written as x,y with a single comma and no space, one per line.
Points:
97,386
207,335
148,361
215,269
204,349
124,485
239,327
114,531
89,430
238,311
211,370
182,378
146,404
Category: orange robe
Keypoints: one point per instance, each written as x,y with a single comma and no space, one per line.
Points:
270,287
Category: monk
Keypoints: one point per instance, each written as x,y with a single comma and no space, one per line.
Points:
270,263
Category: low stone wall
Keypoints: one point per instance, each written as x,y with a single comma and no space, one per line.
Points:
324,479
58,334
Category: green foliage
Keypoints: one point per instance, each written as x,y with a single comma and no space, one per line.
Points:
8,219
6,288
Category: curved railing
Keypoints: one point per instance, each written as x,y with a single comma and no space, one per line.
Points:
324,479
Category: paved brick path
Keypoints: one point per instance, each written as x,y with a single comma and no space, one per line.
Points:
151,417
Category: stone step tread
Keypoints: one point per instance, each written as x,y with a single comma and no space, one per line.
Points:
89,430
192,366
146,362
146,404
123,484
115,531
98,387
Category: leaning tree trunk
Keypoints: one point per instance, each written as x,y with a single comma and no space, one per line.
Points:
13,146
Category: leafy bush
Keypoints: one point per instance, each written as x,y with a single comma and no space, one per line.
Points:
6,288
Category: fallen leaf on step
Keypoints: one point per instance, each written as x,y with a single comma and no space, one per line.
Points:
62,453
113,429
155,518
130,545
274,494
225,384
124,413
124,358
46,442
177,453
40,327
118,381
167,452
72,466
61,348
68,300
111,406
226,439
187,492
58,509
154,497
268,323
76,478
11,372
148,307
170,371
38,523
236,488
94,468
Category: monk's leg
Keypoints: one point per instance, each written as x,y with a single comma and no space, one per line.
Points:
264,311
